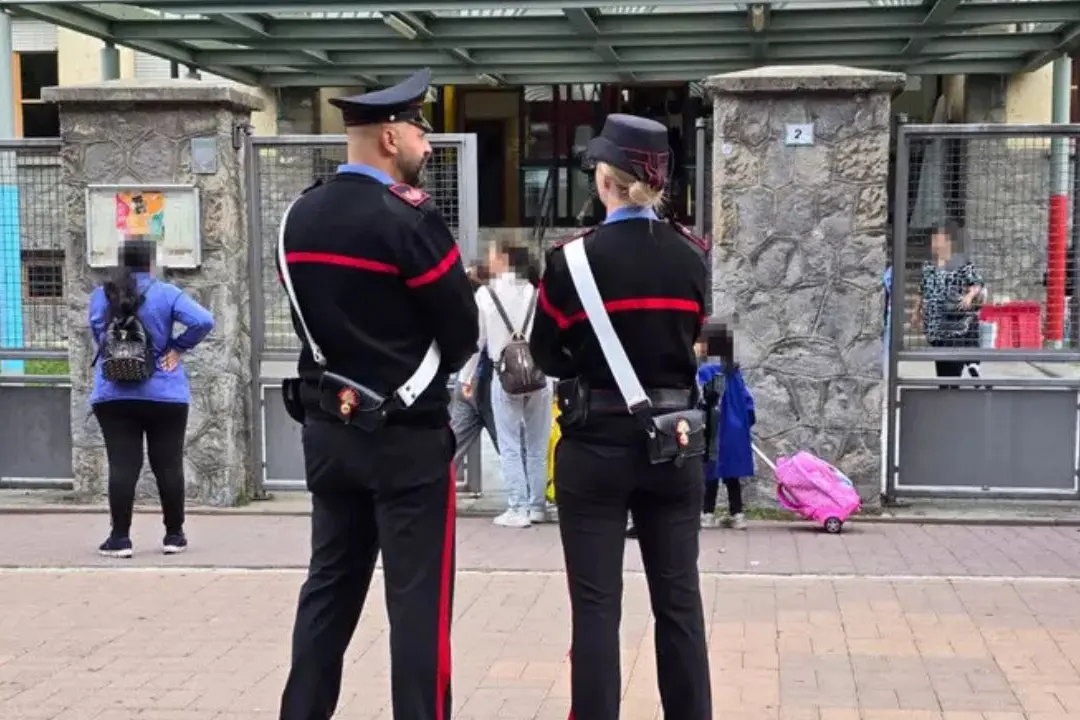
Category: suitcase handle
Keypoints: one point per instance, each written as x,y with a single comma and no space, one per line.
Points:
764,458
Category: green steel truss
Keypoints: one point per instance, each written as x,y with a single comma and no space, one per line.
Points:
317,43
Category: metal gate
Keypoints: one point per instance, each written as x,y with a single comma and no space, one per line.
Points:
35,386
991,206
278,168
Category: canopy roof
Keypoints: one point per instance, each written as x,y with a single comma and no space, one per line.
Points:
321,43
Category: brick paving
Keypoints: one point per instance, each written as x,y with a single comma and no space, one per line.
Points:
260,541
875,637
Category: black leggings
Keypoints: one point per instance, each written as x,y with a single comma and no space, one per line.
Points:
734,495
124,423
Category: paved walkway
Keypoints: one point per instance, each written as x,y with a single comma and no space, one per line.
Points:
864,549
877,624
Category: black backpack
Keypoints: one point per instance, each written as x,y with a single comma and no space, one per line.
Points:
126,352
516,369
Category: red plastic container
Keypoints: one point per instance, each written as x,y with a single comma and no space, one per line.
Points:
1019,324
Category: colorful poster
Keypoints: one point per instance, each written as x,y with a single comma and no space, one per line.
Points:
140,213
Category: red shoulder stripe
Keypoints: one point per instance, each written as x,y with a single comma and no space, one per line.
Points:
559,243
436,272
411,195
700,242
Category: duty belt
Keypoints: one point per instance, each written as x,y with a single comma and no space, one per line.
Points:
611,402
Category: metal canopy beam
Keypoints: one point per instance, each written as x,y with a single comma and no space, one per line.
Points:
582,20
577,74
1068,42
486,59
938,12
572,42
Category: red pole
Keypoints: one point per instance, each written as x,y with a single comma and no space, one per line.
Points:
1055,267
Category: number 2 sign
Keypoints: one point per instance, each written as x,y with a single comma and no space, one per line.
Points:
799,134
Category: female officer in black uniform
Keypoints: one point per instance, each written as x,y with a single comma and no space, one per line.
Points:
650,279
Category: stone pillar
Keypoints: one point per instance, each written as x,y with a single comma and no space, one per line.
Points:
126,132
799,252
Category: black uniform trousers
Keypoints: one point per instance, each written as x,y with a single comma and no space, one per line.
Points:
594,487
391,491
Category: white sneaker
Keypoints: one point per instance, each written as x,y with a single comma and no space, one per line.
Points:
708,520
513,519
537,515
738,521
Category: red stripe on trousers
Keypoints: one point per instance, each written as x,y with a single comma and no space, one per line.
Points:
320,258
442,668
436,272
631,304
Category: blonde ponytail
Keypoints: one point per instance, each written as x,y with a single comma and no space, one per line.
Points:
636,191
643,195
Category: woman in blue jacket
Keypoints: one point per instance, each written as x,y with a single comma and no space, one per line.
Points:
155,408
734,415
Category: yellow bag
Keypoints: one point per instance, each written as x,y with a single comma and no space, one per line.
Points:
553,441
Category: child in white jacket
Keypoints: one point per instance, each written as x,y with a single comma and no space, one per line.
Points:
522,422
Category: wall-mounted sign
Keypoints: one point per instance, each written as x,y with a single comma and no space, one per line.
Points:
799,134
204,155
165,214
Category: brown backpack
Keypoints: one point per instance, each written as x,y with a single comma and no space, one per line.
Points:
515,367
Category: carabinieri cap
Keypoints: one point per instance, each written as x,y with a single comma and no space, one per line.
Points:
398,103
635,145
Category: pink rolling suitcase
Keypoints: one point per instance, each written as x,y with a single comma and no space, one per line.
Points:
813,489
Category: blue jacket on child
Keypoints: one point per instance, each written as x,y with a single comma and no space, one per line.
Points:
735,415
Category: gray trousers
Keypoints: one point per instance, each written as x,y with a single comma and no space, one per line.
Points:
469,417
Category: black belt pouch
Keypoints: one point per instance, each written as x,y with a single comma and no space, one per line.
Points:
352,403
676,436
290,396
573,399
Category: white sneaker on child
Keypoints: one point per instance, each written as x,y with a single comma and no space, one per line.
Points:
708,520
738,521
513,518
537,515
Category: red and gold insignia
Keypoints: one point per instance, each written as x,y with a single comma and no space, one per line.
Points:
347,398
682,433
408,193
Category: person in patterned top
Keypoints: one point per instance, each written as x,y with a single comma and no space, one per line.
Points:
950,292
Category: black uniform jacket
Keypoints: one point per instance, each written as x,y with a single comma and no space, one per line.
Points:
653,278
378,274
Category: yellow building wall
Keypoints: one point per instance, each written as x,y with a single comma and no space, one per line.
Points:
264,122
1029,97
78,58
330,120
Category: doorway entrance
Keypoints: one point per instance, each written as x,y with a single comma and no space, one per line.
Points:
490,168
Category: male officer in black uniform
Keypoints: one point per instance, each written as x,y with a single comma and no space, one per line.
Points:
383,306
650,278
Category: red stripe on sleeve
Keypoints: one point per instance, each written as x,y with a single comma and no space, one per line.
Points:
542,300
319,258
436,272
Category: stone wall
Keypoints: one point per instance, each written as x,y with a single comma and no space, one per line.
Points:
125,132
799,250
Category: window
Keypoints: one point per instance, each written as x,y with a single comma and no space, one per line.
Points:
35,118
558,122
43,275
